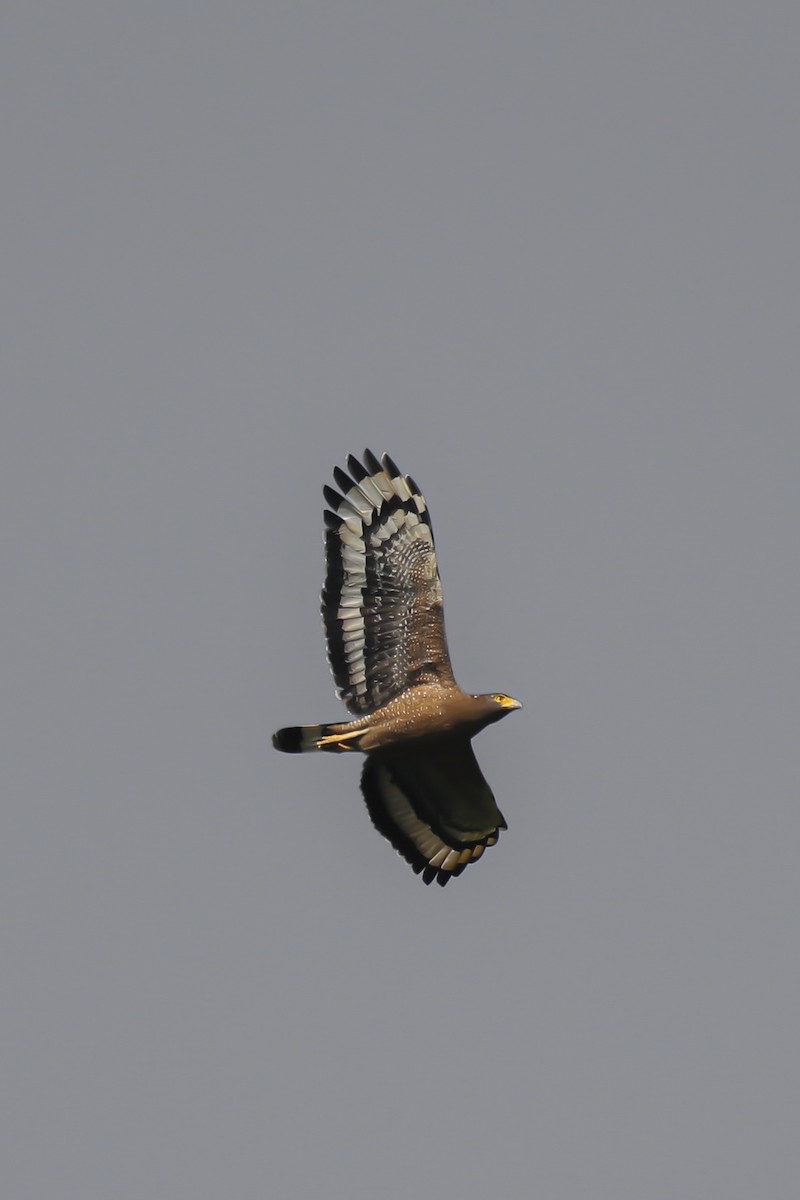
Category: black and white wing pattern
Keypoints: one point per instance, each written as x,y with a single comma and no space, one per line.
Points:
382,599
433,805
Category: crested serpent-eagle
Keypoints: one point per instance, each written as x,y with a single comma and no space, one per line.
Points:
382,611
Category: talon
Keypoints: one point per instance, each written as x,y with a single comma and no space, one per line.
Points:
339,740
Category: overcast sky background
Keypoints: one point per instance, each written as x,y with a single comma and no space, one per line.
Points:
548,258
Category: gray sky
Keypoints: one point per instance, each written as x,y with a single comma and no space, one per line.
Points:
548,258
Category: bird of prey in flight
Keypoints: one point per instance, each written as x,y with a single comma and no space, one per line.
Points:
382,611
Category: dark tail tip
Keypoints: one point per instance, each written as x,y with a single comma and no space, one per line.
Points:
289,740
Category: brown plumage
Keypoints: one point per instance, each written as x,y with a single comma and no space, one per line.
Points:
382,610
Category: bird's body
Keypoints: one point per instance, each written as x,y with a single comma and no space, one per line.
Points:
382,609
421,715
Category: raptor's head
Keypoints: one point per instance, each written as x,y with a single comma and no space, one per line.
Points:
498,705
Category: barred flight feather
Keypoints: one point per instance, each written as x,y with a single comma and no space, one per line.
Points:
403,814
381,573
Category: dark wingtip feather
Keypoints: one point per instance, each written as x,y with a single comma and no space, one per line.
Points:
355,468
390,467
333,498
331,519
343,481
371,462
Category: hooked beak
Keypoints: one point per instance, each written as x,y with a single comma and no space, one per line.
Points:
509,703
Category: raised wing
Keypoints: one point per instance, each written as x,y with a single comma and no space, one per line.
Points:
382,599
433,805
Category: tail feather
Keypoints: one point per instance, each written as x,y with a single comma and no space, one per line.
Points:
298,739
